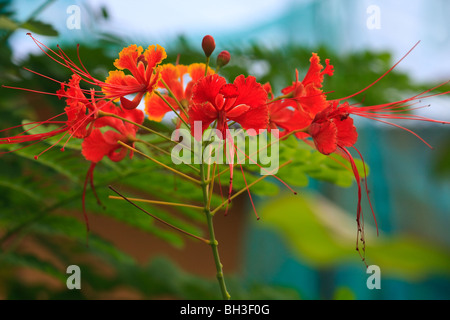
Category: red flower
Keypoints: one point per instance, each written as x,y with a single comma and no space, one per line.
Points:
100,144
243,101
173,76
333,128
143,66
80,112
301,101
307,93
144,74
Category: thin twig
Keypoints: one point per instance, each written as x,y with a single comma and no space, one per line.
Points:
160,220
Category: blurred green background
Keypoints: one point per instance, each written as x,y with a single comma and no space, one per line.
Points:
303,247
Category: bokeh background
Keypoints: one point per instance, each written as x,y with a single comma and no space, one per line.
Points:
302,247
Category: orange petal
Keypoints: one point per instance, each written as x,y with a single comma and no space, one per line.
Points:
154,55
128,57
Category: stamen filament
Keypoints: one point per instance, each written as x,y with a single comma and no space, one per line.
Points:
171,107
164,203
159,163
160,220
244,189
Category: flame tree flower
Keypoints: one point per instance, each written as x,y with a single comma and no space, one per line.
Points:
80,111
144,74
243,101
178,94
143,66
100,144
109,129
301,101
84,118
333,130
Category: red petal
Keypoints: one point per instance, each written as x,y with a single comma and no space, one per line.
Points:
205,113
156,108
254,118
95,147
237,111
314,74
325,136
251,92
229,91
346,132
207,88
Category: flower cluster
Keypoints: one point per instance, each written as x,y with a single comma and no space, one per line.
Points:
106,116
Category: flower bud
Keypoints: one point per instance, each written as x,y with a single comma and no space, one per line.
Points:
223,58
208,45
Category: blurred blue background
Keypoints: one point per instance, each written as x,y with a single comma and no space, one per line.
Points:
410,199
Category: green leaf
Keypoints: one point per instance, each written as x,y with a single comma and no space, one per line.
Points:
323,236
41,28
8,24
31,261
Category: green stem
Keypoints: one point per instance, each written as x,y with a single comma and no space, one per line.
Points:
180,105
212,241
285,96
107,114
159,162
206,66
165,152
158,219
245,189
171,107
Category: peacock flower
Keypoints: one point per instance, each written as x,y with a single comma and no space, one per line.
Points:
81,111
100,144
174,76
143,67
144,77
243,101
307,94
333,130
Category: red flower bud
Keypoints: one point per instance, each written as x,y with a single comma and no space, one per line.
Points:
208,45
223,58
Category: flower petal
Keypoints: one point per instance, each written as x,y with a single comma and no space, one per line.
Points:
346,132
156,108
255,118
325,136
205,113
95,147
207,88
128,57
251,92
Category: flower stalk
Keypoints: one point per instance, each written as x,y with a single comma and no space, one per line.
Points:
212,238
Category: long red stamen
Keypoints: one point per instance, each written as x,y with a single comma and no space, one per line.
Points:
249,193
359,217
89,175
367,189
381,77
265,170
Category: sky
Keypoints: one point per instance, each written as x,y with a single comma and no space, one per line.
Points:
377,24
360,24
